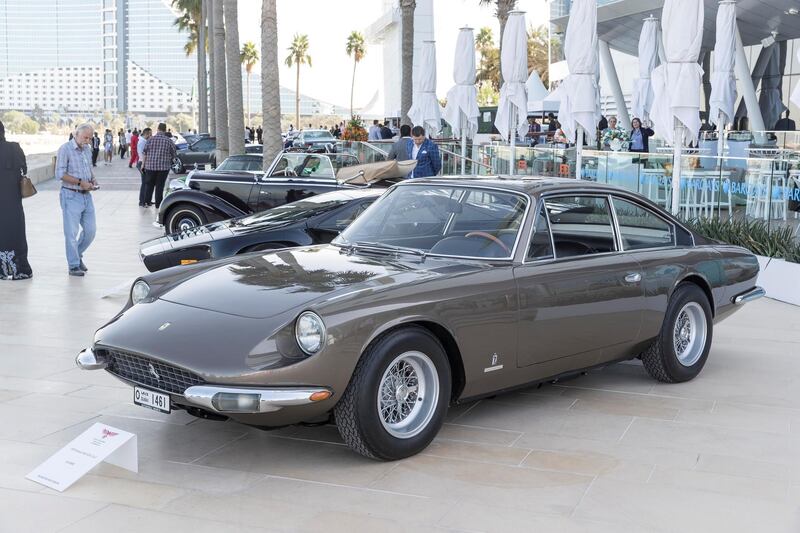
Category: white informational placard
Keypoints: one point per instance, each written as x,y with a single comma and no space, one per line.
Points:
97,444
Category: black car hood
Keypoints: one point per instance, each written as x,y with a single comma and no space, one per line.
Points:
259,285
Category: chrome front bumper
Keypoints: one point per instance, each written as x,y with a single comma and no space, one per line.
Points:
748,296
269,400
88,360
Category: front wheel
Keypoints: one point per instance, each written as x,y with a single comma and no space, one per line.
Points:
681,348
177,166
397,397
184,217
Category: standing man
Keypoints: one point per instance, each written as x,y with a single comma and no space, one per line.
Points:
425,151
73,169
144,201
158,156
95,148
260,135
374,132
399,149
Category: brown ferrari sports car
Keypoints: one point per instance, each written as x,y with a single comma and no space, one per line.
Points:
444,290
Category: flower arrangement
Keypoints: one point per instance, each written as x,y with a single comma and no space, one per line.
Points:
615,137
354,130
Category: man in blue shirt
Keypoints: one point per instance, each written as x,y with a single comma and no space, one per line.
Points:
74,171
426,153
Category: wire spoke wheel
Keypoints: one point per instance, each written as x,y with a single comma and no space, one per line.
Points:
408,394
689,334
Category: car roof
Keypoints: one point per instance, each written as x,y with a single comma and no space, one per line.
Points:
532,185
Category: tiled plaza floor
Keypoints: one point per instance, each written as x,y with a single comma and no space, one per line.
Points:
609,452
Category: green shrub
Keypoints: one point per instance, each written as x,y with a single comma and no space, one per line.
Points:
755,235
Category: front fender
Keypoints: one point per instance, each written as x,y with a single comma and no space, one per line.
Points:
208,203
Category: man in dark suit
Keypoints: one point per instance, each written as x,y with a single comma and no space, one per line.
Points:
399,149
425,152
785,124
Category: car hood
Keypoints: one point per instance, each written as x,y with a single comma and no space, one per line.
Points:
260,285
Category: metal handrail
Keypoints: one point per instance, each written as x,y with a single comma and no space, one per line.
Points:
467,159
379,150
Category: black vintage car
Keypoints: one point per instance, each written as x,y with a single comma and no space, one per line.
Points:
314,220
212,196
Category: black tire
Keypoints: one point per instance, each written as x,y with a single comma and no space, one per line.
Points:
661,359
357,415
183,217
177,166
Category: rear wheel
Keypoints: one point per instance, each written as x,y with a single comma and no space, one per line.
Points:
398,396
681,349
184,217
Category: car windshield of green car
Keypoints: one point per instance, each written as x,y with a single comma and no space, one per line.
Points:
299,210
438,220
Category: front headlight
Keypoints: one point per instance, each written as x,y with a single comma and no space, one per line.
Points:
310,332
140,291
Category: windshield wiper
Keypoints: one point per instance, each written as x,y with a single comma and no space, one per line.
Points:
382,247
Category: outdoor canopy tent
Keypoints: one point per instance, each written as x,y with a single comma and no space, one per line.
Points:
539,101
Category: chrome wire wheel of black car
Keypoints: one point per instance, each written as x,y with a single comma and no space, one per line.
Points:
184,217
398,396
177,166
681,349
408,394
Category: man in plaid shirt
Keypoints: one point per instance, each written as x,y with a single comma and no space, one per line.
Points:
159,154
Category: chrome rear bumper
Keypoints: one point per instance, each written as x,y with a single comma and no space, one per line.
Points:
257,400
87,360
748,296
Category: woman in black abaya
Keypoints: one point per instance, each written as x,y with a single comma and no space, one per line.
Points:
13,244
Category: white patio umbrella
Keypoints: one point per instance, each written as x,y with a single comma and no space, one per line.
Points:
648,58
770,98
579,110
723,81
461,111
676,84
512,110
425,110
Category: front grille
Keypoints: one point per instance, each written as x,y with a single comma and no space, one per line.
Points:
138,369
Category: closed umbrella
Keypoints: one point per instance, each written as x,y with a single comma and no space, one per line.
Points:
579,109
769,101
425,110
512,110
723,80
461,111
648,57
676,84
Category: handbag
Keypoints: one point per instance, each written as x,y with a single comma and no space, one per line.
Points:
26,187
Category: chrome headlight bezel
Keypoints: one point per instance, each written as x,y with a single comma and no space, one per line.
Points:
140,291
307,327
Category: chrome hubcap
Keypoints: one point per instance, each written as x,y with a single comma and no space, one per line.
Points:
408,394
186,223
689,334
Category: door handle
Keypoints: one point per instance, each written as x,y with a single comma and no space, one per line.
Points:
633,277
264,192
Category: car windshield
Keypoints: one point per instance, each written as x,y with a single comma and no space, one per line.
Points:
318,135
439,220
299,210
239,163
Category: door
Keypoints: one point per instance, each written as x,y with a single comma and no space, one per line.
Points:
578,294
200,152
296,176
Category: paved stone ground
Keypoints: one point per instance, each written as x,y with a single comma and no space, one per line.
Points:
608,452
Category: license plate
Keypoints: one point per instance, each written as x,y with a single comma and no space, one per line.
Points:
151,399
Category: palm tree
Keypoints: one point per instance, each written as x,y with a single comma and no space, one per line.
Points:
212,104
407,8
503,7
234,71
270,88
249,58
355,47
220,82
298,55
191,20
488,65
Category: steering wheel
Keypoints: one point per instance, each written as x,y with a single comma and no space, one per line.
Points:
490,237
289,171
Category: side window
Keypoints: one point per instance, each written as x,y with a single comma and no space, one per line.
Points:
640,228
345,217
317,167
581,225
204,146
541,247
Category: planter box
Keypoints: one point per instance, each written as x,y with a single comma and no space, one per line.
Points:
781,279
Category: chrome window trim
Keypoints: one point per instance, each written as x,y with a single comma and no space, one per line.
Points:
202,180
540,208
